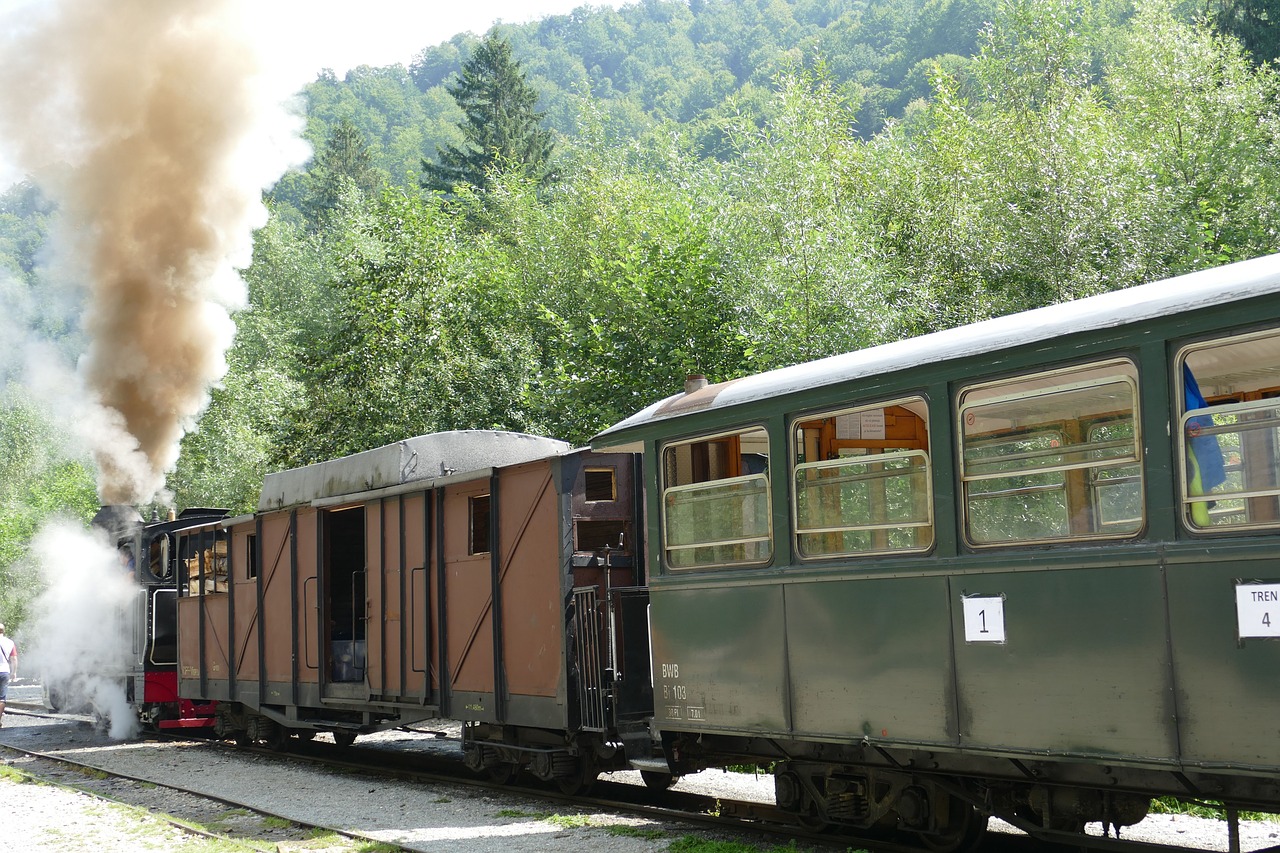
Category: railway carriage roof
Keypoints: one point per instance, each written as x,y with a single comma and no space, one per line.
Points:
1220,285
425,457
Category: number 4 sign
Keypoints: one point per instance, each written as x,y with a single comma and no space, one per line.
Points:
1258,610
983,618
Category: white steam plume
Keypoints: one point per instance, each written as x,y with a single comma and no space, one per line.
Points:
78,636
155,126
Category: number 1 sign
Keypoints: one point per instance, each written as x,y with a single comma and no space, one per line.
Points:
984,619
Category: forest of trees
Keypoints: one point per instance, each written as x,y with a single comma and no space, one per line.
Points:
728,187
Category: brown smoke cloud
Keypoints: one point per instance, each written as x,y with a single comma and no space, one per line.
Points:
154,126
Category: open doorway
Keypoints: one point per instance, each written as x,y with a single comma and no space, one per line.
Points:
344,568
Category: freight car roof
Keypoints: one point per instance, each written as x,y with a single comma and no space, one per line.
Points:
425,457
1257,277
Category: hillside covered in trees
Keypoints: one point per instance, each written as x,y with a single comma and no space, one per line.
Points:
733,186
643,64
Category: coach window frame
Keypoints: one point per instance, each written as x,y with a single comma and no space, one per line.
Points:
591,482
796,467
964,403
1266,397
251,556
663,448
479,541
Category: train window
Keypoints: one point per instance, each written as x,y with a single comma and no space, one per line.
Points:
715,501
598,535
1115,491
479,542
862,483
251,556
1052,456
600,485
159,561
1229,390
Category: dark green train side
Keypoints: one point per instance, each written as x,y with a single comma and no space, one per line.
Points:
1029,567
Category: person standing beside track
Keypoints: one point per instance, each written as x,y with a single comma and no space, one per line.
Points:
8,667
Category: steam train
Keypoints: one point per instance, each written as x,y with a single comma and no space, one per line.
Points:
1023,568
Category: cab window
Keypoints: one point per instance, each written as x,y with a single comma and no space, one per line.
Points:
715,501
1229,435
862,483
1053,456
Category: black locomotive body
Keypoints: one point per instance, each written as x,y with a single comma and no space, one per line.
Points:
153,556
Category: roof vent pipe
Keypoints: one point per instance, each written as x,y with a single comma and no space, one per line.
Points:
694,382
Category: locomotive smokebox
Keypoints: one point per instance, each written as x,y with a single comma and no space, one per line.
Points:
119,520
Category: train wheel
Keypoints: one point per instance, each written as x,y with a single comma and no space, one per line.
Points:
813,821
579,783
277,738
964,831
253,729
344,738
658,781
502,773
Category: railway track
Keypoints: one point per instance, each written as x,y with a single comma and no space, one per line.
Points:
425,769
685,811
183,808
710,810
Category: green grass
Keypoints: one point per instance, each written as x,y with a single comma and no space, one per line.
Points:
1210,809
327,839
583,821
272,822
626,831
753,769
12,775
323,837
571,821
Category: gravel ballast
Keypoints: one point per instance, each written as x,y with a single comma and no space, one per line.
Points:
414,815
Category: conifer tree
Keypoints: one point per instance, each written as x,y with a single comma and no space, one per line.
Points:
1256,23
501,129
345,157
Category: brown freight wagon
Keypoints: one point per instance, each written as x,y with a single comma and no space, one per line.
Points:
458,575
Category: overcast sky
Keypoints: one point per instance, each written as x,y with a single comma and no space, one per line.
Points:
302,37
326,34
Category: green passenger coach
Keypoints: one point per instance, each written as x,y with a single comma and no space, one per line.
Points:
1028,567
